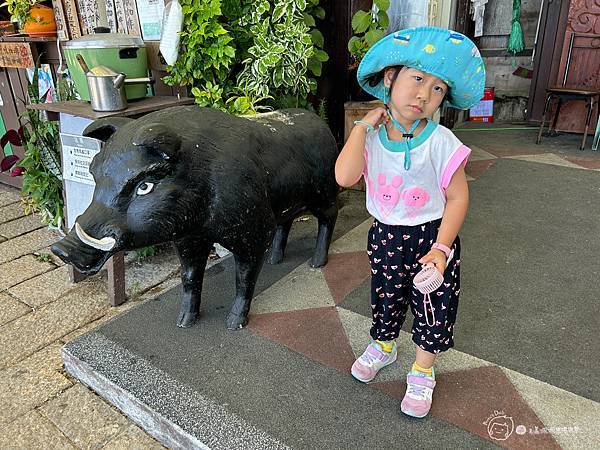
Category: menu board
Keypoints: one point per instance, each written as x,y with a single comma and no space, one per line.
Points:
77,154
62,30
70,8
16,54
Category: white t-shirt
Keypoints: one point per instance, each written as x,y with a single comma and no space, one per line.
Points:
397,196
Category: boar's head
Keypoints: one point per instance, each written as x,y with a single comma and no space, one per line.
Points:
141,195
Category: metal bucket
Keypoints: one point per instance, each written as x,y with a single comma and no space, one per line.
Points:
107,87
107,92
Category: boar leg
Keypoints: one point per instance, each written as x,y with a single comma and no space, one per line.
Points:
247,269
193,254
279,242
327,217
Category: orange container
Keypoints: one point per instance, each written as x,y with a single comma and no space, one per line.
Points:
40,21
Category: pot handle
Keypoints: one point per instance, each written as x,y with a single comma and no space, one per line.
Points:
145,80
82,63
118,81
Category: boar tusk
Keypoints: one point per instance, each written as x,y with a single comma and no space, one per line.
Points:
104,244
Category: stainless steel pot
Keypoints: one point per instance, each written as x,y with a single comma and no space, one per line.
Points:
107,87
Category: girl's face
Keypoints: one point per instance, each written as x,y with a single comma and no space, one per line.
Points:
415,94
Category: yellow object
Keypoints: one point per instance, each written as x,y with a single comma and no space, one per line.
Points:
418,368
386,346
102,71
429,48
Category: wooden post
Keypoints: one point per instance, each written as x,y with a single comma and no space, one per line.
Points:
116,279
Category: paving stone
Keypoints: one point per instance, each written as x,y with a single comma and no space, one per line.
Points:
133,438
11,308
21,269
23,388
354,240
25,335
26,243
33,432
45,288
8,196
10,212
547,158
83,417
20,226
477,154
111,313
559,409
141,276
161,288
48,359
303,288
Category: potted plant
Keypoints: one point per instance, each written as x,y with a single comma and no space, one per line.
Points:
368,27
19,10
249,55
32,17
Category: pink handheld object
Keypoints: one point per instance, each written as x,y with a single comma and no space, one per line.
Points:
427,281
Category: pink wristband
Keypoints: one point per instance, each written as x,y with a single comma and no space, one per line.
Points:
442,247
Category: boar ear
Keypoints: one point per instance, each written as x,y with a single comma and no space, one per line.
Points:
103,129
159,139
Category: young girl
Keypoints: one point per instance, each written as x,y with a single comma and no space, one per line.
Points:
416,191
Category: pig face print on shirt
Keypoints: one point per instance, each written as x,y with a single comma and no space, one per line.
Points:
388,195
414,200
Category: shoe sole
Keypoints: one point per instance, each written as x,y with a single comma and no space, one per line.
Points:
411,414
369,380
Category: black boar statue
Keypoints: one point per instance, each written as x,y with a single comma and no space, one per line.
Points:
196,176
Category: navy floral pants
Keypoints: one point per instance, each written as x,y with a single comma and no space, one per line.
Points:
394,252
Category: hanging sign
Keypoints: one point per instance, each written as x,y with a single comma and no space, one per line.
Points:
16,54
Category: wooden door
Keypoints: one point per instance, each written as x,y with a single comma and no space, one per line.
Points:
579,21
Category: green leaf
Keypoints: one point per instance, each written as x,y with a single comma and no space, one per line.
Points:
373,36
301,4
319,13
309,20
383,5
321,55
317,38
383,19
278,13
315,66
353,44
361,21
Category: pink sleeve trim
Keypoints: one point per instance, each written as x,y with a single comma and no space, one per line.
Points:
459,157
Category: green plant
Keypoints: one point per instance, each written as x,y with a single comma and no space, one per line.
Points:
145,253
284,52
245,56
19,9
369,27
44,257
42,179
206,56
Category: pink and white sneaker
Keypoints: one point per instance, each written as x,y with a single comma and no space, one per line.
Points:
373,359
419,390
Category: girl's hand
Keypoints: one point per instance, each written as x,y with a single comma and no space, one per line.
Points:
437,257
377,116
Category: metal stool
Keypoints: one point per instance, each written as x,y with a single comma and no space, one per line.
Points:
565,94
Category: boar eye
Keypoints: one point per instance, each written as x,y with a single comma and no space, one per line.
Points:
145,188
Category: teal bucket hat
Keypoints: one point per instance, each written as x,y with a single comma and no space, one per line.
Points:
448,55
